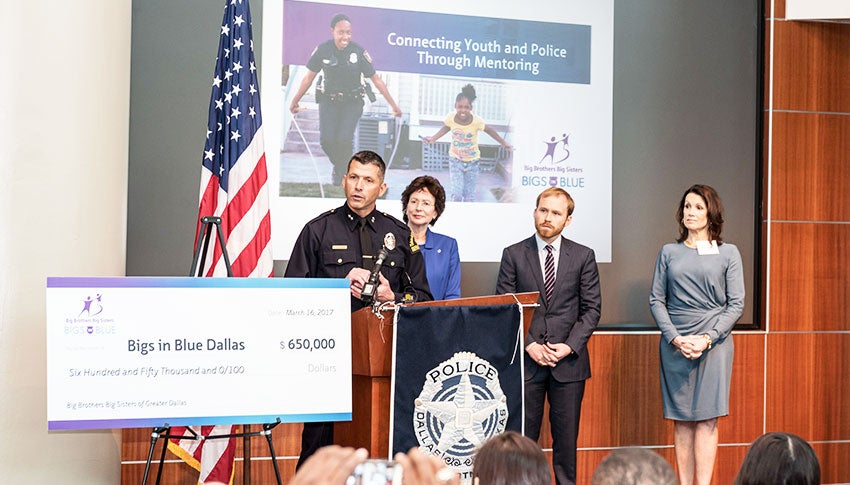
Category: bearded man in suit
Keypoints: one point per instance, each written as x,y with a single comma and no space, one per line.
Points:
556,359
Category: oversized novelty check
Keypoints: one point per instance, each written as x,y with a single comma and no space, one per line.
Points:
139,352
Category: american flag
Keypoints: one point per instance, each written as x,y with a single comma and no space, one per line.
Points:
234,176
212,458
233,187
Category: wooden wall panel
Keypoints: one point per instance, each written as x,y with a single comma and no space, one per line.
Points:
833,461
779,9
811,63
622,401
810,166
262,472
728,462
286,439
746,413
807,373
809,270
808,385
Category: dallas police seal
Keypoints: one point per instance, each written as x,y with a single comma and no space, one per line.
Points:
460,406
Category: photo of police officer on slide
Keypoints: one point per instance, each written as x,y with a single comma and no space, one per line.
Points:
345,65
339,99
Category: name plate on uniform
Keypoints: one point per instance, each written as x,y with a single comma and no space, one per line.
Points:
140,352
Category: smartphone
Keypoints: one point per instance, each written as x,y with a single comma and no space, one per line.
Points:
376,472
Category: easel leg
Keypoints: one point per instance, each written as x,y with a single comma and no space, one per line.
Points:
246,454
203,234
154,437
267,430
162,456
155,434
223,247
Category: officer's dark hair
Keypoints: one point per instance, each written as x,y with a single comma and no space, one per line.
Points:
339,18
467,92
433,187
368,157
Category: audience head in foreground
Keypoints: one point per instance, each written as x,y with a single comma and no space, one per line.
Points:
634,466
777,459
511,459
336,465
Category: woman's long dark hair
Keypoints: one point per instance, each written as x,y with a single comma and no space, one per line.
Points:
779,459
714,207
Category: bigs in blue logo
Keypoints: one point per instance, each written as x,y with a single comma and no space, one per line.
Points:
552,181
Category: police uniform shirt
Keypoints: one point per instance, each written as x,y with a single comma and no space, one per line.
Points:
342,67
329,247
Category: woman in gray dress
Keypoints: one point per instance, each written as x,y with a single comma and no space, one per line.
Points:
697,295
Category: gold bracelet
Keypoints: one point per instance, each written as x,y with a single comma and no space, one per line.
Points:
708,339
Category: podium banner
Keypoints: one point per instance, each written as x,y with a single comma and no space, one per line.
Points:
139,352
457,379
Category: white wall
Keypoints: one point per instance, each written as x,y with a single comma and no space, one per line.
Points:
64,107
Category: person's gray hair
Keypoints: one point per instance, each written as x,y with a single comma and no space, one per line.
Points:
634,466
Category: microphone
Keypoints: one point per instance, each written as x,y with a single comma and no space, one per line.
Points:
368,293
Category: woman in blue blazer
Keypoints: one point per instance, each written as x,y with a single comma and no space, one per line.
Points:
422,202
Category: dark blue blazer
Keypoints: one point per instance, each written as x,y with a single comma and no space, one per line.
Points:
571,316
442,265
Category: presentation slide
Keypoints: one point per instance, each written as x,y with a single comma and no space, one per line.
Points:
138,352
543,81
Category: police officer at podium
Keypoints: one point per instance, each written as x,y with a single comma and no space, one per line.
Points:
343,242
345,65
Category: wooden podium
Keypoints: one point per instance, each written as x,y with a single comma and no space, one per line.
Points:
372,355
